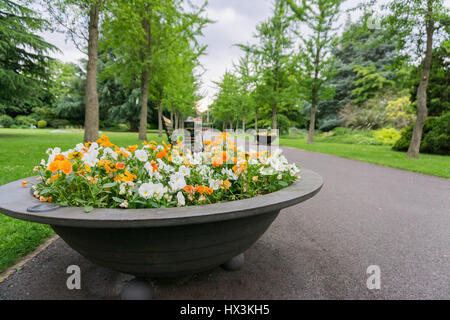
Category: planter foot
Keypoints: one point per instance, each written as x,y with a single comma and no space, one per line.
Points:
235,263
137,289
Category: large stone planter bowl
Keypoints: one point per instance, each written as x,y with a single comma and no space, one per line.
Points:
160,243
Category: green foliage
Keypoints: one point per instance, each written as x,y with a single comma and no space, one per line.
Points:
24,60
363,118
25,121
438,95
400,112
437,140
6,121
42,124
363,47
329,124
59,123
369,82
387,136
436,136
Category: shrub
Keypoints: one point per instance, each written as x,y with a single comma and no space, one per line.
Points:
363,118
435,136
6,121
59,123
340,131
437,140
41,124
387,136
25,121
400,112
329,124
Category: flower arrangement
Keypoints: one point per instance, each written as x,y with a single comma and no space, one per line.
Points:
103,175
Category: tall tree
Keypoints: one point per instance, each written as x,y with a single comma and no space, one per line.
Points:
24,59
315,51
272,52
80,20
421,23
246,78
143,53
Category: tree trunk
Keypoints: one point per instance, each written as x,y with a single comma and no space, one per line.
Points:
160,119
175,124
312,122
274,116
133,126
91,96
145,80
144,92
422,111
243,120
171,113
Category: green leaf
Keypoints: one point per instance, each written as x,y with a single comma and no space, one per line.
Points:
117,199
88,209
109,185
283,183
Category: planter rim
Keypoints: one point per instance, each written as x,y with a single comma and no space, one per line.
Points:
15,199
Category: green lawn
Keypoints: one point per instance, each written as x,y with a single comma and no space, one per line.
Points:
383,155
20,151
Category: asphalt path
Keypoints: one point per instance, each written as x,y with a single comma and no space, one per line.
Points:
366,215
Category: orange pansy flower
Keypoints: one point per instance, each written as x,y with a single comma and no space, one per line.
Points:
66,166
132,148
60,157
120,165
162,154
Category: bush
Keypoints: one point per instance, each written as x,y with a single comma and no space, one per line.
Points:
59,123
437,140
41,124
6,121
387,136
363,118
341,131
435,136
329,124
25,121
400,112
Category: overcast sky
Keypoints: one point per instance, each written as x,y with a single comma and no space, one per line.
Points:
235,23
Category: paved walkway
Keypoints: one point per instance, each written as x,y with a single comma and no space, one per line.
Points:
365,215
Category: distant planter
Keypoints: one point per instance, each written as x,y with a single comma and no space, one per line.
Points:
161,243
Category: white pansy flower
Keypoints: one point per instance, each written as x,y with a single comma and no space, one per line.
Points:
159,190
230,174
177,181
152,190
90,158
214,184
141,155
109,152
180,199
185,171
267,171
79,147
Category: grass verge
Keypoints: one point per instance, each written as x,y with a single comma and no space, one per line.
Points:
434,165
